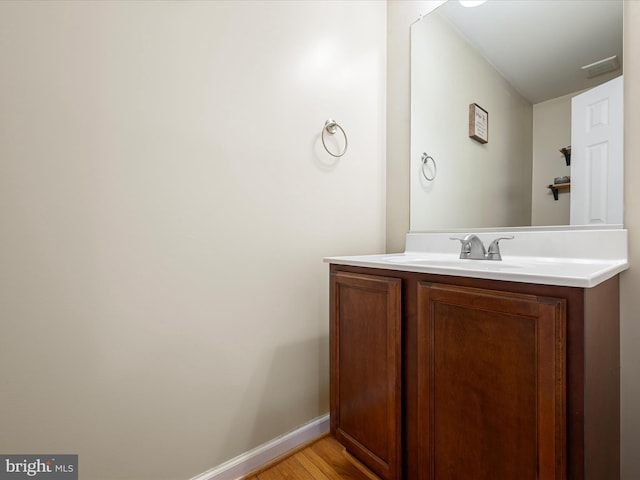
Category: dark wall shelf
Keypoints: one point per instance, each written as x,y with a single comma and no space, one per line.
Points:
557,187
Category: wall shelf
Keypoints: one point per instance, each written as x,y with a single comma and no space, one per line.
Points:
558,186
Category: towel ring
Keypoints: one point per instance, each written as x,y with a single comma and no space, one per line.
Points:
425,159
332,127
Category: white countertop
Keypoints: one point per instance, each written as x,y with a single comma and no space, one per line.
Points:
574,258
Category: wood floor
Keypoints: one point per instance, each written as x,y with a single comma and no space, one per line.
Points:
323,459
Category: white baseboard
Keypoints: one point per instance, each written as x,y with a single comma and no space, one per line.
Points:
248,461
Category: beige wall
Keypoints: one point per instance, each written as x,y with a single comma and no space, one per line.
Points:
400,14
166,204
630,300
551,131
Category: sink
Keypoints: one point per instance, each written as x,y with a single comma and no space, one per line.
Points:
507,269
570,258
453,263
467,264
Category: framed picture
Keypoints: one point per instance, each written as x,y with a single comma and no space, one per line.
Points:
478,123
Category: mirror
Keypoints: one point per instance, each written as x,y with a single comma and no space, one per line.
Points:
491,91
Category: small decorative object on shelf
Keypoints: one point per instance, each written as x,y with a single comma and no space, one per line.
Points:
566,151
478,123
565,179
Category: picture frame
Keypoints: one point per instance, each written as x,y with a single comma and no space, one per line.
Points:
478,123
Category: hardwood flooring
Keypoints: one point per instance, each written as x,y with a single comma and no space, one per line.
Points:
322,459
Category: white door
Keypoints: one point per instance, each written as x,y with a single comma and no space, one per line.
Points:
597,155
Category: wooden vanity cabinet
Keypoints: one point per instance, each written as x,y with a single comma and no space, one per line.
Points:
491,393
498,380
366,369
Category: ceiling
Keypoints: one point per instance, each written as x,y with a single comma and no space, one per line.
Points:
540,45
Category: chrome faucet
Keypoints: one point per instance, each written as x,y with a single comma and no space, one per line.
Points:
472,248
494,248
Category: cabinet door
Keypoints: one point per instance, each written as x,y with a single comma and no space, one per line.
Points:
491,385
365,369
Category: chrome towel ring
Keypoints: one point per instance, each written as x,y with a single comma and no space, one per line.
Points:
425,159
332,127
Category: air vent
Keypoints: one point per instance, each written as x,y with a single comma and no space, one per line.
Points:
602,66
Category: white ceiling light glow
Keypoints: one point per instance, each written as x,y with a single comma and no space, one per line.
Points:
471,3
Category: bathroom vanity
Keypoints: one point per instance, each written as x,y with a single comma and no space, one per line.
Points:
444,368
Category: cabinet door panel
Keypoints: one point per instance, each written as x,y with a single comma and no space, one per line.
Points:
490,386
365,369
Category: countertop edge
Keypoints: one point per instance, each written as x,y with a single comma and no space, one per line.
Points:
586,281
